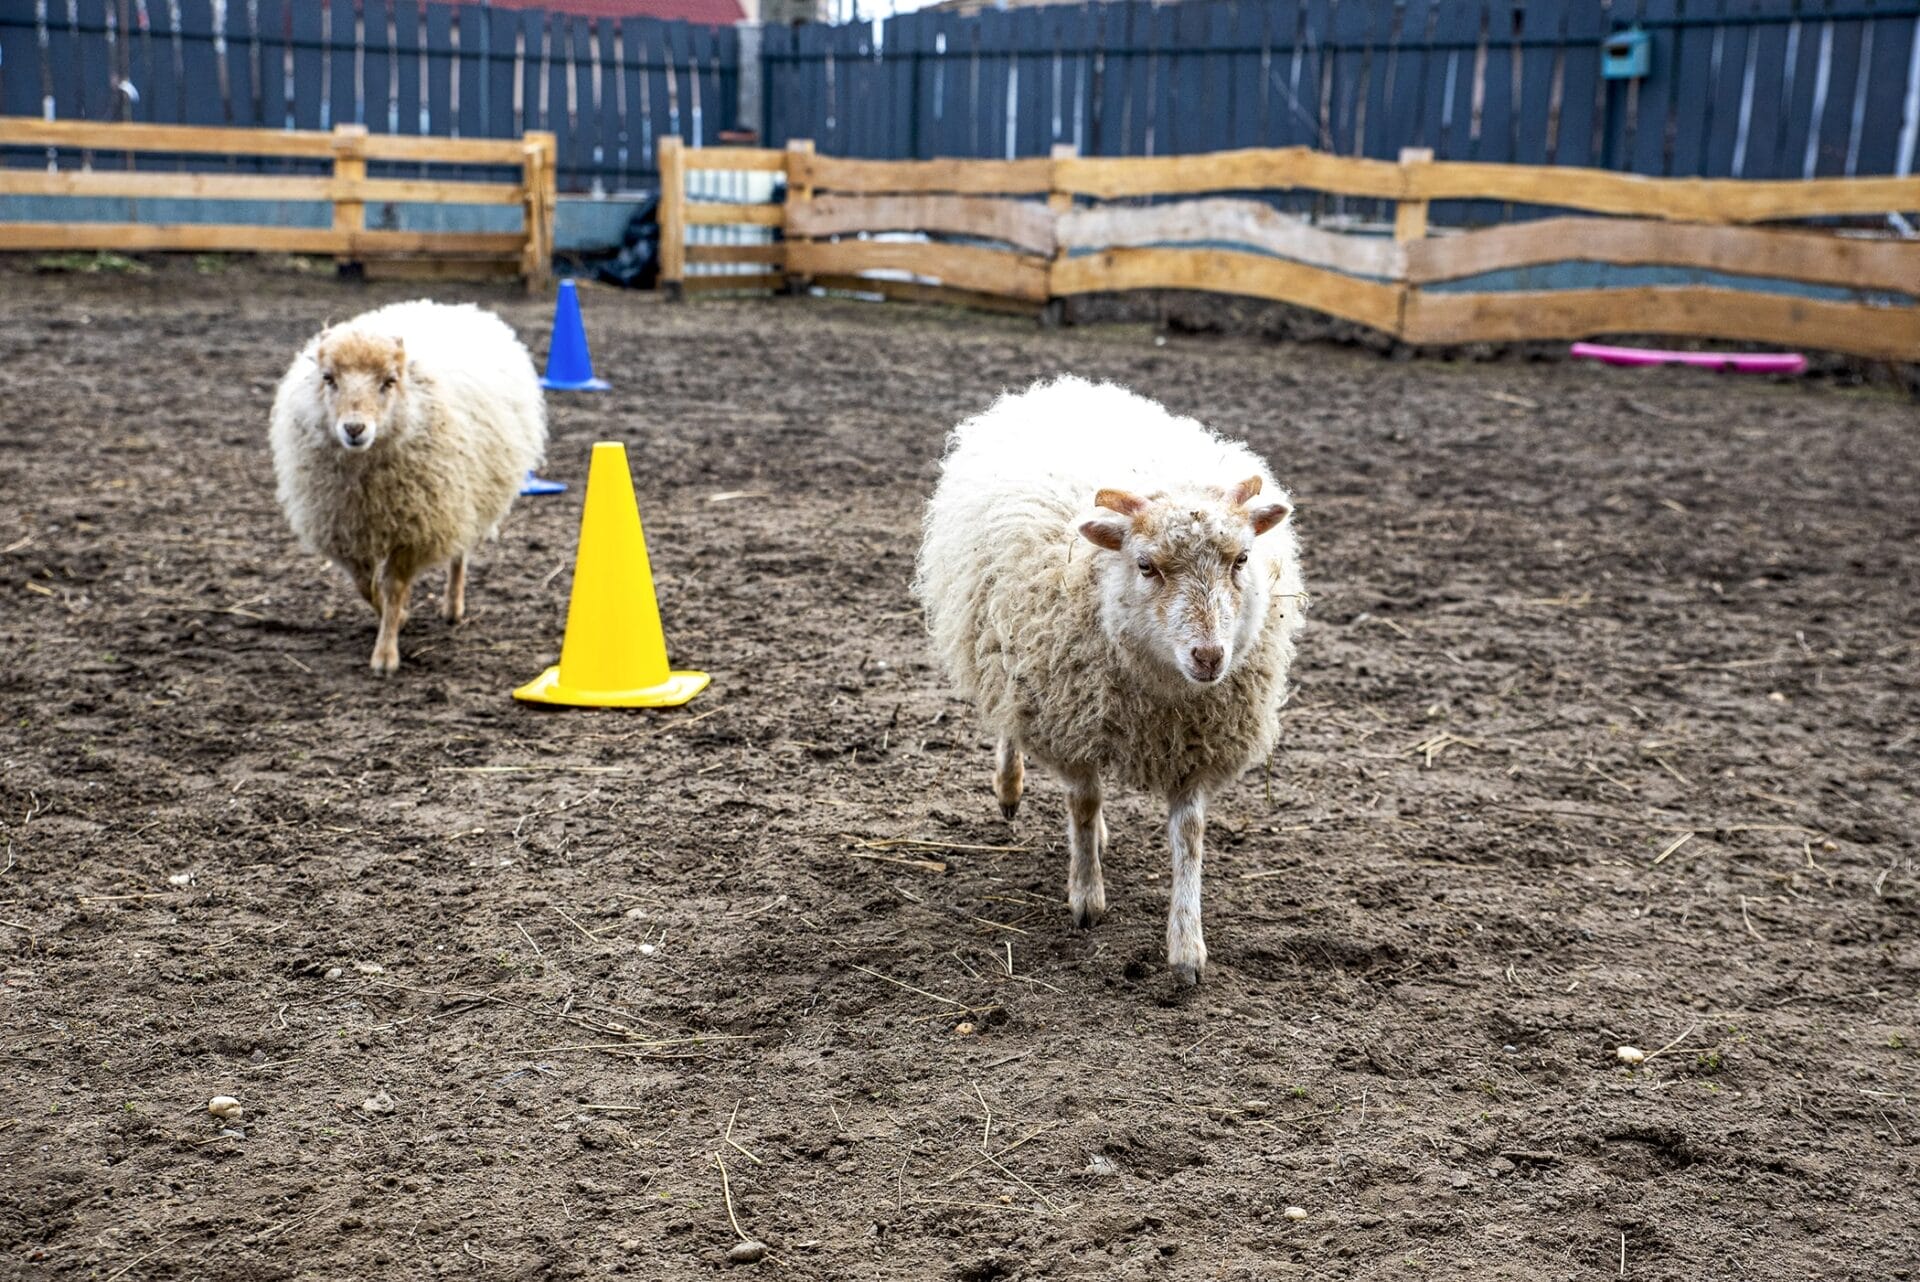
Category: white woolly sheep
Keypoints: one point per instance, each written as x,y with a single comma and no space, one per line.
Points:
399,441
1148,641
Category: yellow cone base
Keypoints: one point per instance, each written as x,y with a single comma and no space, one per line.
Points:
678,688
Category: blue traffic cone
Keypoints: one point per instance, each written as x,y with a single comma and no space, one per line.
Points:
569,366
535,484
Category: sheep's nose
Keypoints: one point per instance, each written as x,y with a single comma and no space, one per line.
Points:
1207,660
354,428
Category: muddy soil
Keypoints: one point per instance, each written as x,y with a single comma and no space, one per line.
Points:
1605,735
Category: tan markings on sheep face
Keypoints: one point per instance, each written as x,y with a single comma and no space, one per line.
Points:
1184,601
362,377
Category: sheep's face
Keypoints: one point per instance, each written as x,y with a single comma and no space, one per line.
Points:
362,377
1179,588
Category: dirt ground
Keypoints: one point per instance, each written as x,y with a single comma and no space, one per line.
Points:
1605,734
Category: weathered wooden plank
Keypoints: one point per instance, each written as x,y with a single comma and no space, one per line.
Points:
1884,333
144,185
990,271
194,139
442,269
1819,258
733,282
715,214
1229,272
1887,72
673,212
307,26
775,254
1028,225
245,238
1249,223
445,151
1110,177
199,65
963,176
1680,199
913,291
762,160
1655,93
409,104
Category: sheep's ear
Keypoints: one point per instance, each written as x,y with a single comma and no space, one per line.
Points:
1120,501
1109,532
1239,494
1268,515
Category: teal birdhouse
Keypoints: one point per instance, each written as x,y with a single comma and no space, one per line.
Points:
1627,55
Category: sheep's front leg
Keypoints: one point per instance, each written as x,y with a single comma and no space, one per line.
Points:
394,591
1187,830
1009,775
1086,836
456,603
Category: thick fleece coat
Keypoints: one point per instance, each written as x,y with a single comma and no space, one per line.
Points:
466,422
1013,600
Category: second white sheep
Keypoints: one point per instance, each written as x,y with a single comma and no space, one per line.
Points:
1117,589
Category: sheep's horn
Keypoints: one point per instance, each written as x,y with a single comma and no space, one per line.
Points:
1120,501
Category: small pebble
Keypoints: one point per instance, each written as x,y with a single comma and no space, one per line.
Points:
1255,1107
180,879
369,968
1295,1213
648,950
334,972
225,1106
964,1028
747,1253
1776,697
381,1104
1630,1055
1102,1165
635,914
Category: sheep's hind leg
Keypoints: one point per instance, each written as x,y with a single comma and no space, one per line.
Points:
456,603
1187,830
1086,838
364,584
1009,775
393,613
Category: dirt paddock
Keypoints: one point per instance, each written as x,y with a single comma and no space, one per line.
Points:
1605,734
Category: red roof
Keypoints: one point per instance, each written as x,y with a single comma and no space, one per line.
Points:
707,13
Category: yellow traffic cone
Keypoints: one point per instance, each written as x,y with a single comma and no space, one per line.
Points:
614,655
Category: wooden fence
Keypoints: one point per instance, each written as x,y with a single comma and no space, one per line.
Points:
1018,234
345,151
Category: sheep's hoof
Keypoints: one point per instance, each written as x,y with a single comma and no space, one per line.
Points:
1087,915
1188,975
384,666
1008,809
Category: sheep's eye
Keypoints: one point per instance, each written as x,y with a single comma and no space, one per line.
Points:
1147,568
1240,562
327,379
386,384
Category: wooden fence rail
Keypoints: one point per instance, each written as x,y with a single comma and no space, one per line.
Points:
1019,234
346,149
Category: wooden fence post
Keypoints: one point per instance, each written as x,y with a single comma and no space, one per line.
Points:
1409,224
1058,203
798,193
673,216
537,154
349,171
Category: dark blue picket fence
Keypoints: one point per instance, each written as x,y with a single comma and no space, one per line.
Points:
1735,88
608,89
